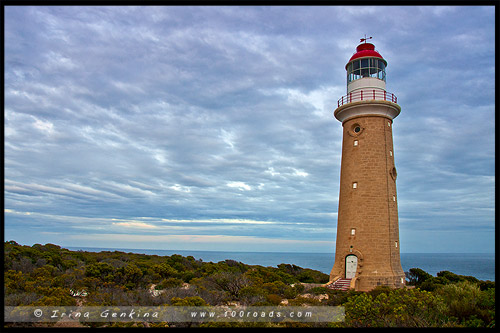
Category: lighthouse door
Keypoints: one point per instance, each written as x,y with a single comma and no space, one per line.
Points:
351,263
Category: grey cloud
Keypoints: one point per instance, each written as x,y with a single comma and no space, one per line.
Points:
227,112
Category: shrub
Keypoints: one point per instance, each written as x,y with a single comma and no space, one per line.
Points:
188,301
276,287
433,283
251,294
169,283
165,270
99,270
417,276
468,304
452,277
273,299
397,308
229,281
292,292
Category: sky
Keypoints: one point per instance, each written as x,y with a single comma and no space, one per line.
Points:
212,128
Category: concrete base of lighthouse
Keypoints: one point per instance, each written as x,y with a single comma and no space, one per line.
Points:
366,277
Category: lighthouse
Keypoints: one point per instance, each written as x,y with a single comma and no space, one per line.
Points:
367,247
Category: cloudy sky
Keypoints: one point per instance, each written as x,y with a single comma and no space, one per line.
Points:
212,128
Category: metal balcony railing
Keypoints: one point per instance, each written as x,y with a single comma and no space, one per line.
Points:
365,95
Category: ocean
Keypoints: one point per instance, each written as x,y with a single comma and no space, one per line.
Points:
479,265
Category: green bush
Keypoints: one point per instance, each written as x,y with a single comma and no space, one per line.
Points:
397,308
452,277
169,283
273,299
417,276
188,301
468,304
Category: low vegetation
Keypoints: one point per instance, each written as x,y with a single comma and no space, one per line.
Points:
48,275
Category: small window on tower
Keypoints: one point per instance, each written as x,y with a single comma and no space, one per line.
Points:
355,185
355,143
355,129
394,173
353,232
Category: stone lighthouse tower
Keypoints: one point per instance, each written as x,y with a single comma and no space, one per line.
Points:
367,248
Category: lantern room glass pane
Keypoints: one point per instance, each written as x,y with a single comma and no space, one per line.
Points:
370,67
381,75
381,65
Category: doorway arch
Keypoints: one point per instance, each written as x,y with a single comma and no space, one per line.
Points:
351,265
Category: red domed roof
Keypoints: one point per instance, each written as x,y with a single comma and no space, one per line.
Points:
366,50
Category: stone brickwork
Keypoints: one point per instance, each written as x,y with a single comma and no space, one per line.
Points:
368,214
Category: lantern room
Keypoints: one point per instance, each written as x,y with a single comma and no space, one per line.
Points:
366,64
366,84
